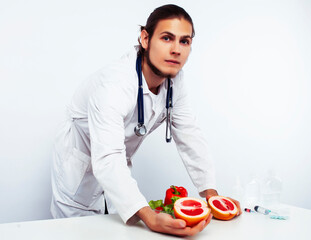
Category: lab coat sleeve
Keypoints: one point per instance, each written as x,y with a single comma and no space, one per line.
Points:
107,109
191,144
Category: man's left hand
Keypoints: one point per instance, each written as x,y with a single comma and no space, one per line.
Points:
212,192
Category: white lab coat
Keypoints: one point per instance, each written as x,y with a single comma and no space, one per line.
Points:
94,148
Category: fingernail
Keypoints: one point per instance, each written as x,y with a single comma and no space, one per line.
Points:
182,224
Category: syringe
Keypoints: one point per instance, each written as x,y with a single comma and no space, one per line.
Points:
272,214
262,210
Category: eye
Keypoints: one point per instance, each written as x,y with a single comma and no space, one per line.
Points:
166,38
185,41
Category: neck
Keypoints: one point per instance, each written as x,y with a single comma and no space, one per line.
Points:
153,80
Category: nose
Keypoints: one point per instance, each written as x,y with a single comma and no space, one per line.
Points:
175,48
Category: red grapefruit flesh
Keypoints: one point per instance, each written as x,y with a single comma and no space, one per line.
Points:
192,210
222,207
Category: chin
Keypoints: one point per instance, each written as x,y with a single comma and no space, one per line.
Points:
172,74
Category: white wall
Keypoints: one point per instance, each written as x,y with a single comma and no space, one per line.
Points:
248,77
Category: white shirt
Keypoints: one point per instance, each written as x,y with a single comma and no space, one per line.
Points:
96,144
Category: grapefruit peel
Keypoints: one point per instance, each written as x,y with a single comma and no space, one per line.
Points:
191,210
222,208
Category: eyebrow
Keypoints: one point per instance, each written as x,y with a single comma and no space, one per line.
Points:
173,35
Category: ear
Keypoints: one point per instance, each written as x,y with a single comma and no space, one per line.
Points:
144,39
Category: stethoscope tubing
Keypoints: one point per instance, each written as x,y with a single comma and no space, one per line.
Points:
140,130
140,98
169,105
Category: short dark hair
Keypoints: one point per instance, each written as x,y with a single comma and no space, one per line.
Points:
168,11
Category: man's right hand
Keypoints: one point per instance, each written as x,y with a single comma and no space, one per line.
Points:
165,223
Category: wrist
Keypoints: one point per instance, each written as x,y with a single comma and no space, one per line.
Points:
209,193
146,214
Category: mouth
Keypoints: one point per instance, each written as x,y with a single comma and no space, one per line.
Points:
172,61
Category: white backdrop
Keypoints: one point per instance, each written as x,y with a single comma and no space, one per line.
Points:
248,76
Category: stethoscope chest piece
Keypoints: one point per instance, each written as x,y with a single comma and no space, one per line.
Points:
140,130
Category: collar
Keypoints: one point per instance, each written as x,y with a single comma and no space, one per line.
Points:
162,87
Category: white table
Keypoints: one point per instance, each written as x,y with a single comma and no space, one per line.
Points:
248,226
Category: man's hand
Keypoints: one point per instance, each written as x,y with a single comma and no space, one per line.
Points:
212,192
237,203
165,223
209,193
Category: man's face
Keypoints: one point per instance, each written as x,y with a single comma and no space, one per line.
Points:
169,47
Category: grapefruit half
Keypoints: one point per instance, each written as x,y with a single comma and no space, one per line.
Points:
222,207
192,210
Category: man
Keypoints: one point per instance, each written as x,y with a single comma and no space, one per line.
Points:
93,151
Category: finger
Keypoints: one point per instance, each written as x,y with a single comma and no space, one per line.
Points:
171,222
191,231
178,226
177,223
199,227
208,220
237,203
239,208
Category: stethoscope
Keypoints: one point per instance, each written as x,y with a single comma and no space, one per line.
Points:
140,130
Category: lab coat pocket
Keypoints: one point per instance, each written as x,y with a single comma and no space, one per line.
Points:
73,170
78,179
89,189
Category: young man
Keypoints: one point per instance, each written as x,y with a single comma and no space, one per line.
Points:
93,151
